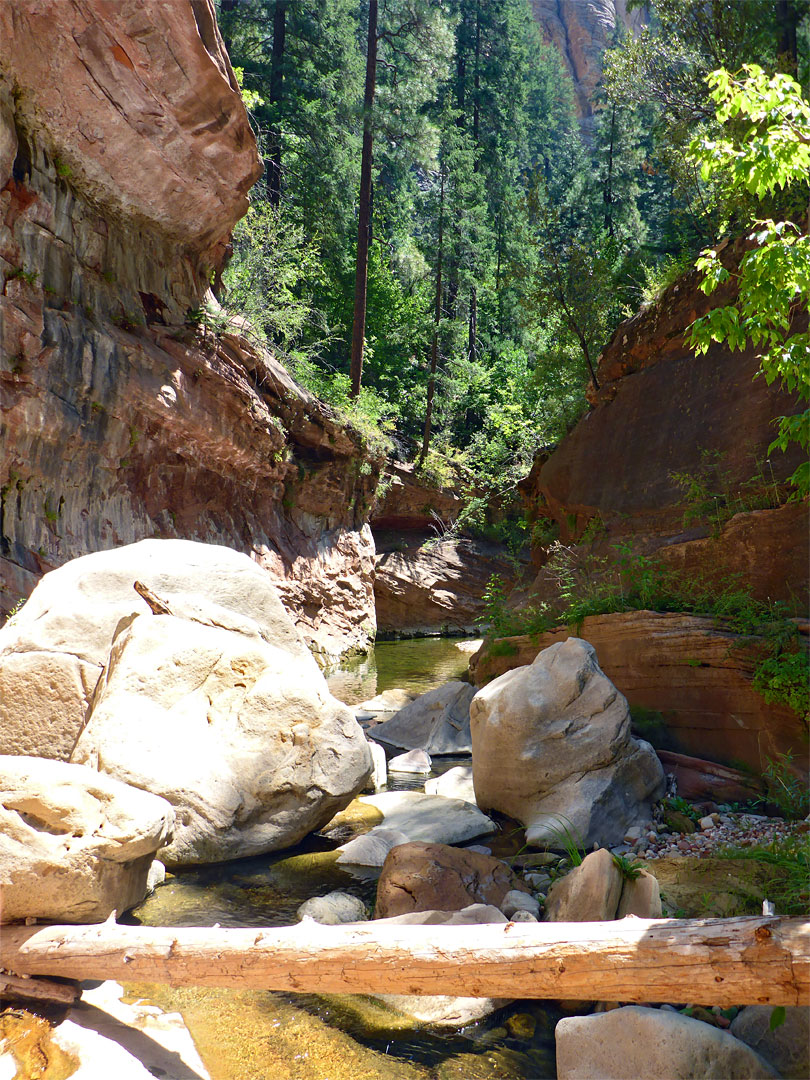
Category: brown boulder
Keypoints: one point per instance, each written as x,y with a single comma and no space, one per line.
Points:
589,893
425,877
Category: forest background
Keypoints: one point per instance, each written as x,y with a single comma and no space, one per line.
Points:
506,239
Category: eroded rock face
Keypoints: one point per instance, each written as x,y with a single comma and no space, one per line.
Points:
552,748
582,30
695,676
425,586
122,421
636,1041
75,845
426,877
240,736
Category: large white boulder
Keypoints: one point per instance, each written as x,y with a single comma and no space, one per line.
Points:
53,651
437,722
241,736
551,747
75,844
633,1042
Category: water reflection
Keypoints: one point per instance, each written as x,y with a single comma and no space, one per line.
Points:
418,665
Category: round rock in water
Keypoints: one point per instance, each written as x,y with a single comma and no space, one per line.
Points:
333,909
416,761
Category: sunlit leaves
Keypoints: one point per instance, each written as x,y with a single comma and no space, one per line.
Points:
770,150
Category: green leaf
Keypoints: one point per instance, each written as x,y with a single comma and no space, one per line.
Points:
778,1015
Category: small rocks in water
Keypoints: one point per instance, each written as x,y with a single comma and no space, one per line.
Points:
332,909
456,783
156,876
515,901
415,761
379,773
371,849
521,1026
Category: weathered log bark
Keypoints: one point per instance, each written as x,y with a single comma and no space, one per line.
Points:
17,989
752,960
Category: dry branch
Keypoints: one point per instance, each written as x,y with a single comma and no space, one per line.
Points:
751,960
26,989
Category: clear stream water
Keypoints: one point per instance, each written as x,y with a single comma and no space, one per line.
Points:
256,1035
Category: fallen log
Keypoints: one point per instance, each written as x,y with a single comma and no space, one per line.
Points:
40,990
741,961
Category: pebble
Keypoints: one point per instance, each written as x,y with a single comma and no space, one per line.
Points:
717,831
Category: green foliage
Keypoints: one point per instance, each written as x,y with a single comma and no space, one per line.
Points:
790,890
766,146
628,870
681,806
778,1017
711,497
785,788
565,837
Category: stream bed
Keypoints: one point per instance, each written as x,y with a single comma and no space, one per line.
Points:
258,1035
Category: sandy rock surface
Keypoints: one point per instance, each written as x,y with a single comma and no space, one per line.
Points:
75,844
242,737
635,1042
552,748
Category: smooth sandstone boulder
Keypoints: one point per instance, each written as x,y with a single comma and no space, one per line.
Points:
589,893
552,748
75,844
437,722
415,762
431,819
53,651
786,1047
634,1042
371,849
425,877
243,739
640,897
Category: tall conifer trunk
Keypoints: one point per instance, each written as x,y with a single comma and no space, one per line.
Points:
364,210
437,316
276,89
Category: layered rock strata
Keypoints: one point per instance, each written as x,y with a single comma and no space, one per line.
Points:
125,160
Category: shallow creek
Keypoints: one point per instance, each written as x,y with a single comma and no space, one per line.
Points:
255,1035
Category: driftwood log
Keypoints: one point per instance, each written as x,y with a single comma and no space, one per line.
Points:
40,990
742,961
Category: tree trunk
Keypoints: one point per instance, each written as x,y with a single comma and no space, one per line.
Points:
607,195
472,334
477,88
364,212
740,961
276,90
437,317
788,18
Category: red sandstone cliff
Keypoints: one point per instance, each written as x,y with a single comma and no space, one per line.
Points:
125,160
661,411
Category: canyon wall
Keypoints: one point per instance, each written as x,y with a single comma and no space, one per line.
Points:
661,413
126,156
581,30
